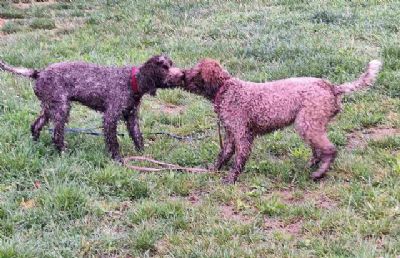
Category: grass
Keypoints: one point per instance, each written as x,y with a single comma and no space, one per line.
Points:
10,27
81,204
43,23
8,11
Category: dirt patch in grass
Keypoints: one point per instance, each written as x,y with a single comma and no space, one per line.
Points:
321,201
359,139
195,198
162,246
172,109
2,22
113,215
293,228
229,213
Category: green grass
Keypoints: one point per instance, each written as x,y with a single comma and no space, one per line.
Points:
10,27
43,23
82,204
9,12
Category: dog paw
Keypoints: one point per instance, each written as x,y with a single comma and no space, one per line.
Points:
316,176
118,159
139,150
211,167
313,162
61,149
228,180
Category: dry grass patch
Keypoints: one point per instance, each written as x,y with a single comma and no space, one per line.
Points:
359,139
228,212
293,228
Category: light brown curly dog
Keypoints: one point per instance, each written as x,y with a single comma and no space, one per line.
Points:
248,109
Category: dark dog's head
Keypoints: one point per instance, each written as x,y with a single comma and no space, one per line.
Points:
158,72
205,78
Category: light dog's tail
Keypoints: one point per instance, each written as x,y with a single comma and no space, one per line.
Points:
365,80
30,73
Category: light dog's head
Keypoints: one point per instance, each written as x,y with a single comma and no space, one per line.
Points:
205,78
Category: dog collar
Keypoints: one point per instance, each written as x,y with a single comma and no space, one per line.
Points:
134,84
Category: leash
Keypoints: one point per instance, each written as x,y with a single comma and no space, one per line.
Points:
92,131
167,166
162,165
221,145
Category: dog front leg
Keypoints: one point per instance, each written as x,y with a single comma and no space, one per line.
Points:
225,153
243,143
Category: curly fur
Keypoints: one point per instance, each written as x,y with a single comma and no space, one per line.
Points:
248,109
104,89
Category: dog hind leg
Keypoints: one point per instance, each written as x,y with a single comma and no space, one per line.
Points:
313,132
110,122
132,124
59,115
38,124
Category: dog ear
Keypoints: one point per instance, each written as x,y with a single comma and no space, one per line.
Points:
147,80
213,74
147,85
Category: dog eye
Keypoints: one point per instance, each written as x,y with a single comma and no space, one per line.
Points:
165,66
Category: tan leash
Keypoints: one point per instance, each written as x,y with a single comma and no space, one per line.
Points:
167,166
162,165
221,145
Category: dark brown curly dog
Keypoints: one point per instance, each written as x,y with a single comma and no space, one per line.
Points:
115,91
248,109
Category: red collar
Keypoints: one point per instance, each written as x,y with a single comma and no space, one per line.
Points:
134,84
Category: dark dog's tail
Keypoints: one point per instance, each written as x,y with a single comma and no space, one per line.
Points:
365,80
31,73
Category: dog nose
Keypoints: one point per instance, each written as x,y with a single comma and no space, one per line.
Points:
176,72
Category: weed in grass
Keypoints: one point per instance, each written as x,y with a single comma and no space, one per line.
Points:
272,207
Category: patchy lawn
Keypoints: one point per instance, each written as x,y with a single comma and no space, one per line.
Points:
83,204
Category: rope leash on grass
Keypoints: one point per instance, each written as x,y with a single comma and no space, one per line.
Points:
162,165
167,166
92,131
